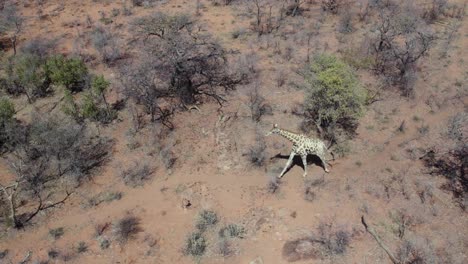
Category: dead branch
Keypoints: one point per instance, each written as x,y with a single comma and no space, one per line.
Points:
371,231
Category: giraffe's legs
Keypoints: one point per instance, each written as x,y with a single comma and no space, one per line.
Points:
324,163
288,164
304,161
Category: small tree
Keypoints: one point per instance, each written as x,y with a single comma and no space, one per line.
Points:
93,105
401,39
27,74
69,72
334,98
11,24
182,66
54,156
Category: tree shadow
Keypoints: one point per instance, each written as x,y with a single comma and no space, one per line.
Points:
297,160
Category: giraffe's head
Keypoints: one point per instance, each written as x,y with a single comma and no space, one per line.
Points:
274,130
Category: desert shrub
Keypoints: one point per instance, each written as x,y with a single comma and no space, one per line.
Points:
53,253
104,197
224,248
195,244
457,128
93,105
11,131
187,65
26,74
106,44
81,247
334,241
39,47
56,233
72,73
416,250
400,40
232,230
257,105
104,243
137,175
452,165
435,10
7,110
256,153
51,156
345,23
126,228
332,6
334,97
206,219
281,77
273,184
3,253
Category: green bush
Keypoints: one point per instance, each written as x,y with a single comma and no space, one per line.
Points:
7,110
26,73
89,108
69,72
93,105
334,97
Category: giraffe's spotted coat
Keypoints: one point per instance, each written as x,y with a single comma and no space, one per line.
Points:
302,146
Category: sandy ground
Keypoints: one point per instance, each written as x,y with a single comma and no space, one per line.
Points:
377,179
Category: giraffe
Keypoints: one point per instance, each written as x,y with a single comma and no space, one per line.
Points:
302,146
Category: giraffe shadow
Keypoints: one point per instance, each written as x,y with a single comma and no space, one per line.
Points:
297,160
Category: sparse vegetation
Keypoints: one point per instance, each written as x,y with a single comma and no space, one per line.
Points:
56,233
232,230
206,219
257,153
195,244
126,229
187,89
81,247
137,175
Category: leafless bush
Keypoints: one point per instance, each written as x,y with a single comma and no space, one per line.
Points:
273,184
257,153
416,250
436,9
451,160
248,65
189,65
301,249
55,154
11,24
140,85
42,48
267,15
401,40
332,6
345,23
334,241
309,194
258,106
137,175
224,248
106,44
288,52
127,228
281,77
168,157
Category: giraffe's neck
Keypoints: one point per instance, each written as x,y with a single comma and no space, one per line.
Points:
294,138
